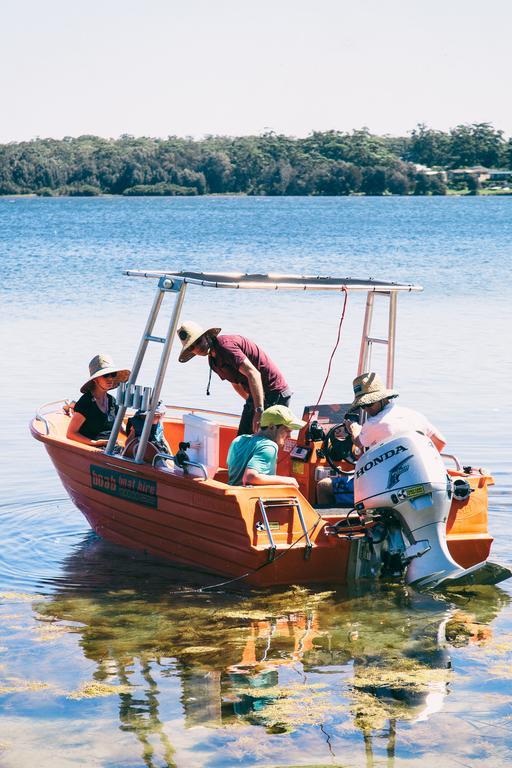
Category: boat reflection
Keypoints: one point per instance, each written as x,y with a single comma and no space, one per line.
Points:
282,661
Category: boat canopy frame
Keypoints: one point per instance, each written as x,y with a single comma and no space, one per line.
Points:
176,283
240,280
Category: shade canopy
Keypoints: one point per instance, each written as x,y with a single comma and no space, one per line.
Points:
278,282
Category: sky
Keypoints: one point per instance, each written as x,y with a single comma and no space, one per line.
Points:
238,67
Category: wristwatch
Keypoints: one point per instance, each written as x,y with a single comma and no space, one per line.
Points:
259,409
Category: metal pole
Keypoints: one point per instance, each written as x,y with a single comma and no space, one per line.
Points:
390,374
303,523
139,357
363,353
263,511
164,359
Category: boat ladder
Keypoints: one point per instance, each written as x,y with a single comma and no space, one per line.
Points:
135,396
367,340
266,504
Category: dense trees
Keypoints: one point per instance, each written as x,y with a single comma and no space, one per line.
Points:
324,163
464,145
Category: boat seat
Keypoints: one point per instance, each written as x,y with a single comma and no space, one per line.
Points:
130,449
221,475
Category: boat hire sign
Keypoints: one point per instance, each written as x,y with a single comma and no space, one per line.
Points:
124,486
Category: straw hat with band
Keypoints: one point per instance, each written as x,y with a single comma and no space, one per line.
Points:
368,389
189,334
280,416
100,365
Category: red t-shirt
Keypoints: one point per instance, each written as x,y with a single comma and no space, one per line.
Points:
230,353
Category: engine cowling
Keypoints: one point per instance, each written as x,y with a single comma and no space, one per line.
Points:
407,475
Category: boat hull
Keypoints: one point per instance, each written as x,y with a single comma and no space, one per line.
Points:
204,525
261,536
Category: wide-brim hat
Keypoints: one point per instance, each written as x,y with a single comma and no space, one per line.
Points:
189,333
99,366
280,415
368,389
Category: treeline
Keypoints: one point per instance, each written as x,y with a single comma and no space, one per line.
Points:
324,163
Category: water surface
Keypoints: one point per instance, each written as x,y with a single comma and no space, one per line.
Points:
111,659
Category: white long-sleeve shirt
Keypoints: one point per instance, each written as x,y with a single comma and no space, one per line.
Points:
395,420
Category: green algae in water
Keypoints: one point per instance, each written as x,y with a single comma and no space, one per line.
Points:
399,674
94,689
291,707
20,597
18,685
193,649
380,655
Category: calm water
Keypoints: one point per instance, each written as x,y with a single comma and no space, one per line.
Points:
108,659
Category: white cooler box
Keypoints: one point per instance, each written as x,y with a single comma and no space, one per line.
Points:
203,436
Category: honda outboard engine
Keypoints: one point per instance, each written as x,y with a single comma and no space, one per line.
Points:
407,476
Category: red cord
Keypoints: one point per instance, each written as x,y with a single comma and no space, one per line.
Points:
332,356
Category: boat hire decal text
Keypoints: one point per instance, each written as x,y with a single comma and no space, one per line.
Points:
124,486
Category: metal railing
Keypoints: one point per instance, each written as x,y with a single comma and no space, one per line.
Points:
263,511
44,409
265,504
189,409
455,459
170,457
367,340
39,417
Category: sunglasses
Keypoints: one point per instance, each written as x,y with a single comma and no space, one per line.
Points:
110,375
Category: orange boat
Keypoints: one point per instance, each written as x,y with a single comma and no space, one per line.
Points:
430,527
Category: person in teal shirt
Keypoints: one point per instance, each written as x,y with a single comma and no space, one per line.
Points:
252,459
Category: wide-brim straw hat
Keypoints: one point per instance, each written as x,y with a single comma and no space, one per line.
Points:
189,333
368,389
99,366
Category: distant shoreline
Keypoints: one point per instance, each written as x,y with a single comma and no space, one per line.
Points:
449,193
468,160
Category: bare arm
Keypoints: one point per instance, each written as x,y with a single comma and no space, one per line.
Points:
252,477
73,434
239,390
253,377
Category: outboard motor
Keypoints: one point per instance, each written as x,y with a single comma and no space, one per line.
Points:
407,476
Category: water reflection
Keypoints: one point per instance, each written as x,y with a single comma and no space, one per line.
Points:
347,662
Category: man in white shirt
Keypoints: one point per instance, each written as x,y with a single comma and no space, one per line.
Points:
384,419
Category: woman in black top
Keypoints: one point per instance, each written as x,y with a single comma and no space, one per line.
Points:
95,411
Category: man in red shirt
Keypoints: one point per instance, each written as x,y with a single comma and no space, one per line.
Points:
244,364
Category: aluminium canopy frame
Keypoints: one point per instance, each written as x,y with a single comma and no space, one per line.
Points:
176,283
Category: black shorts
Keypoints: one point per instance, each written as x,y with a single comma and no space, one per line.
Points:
272,398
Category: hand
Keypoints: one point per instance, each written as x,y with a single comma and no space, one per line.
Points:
99,443
292,481
352,428
256,422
